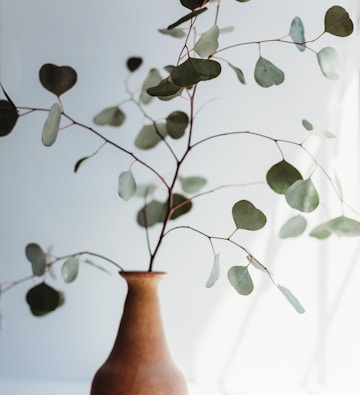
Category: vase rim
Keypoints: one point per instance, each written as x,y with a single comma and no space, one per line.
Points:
141,273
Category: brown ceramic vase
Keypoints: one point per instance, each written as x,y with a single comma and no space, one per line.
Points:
140,362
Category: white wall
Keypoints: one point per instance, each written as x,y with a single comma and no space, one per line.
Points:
217,338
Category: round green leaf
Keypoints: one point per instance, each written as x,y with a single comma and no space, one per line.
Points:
294,227
239,277
151,214
126,185
281,176
152,79
133,63
112,116
184,204
338,22
302,196
192,184
37,257
57,79
149,136
194,70
297,33
176,123
51,126
192,4
43,299
247,216
329,62
208,42
267,74
8,117
70,269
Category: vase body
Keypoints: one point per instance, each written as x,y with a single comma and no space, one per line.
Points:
140,362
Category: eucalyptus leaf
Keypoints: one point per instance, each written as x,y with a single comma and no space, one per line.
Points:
149,136
176,124
112,116
134,63
208,42
281,176
337,22
239,277
294,227
181,204
80,162
57,79
186,18
297,33
321,231
254,262
267,74
194,70
8,117
302,196
51,126
43,299
344,226
238,72
37,257
291,299
153,78
192,4
70,269
192,184
126,185
177,33
247,216
215,272
329,62
152,213
145,190
164,89
315,130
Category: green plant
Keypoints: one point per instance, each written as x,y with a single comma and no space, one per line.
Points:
200,60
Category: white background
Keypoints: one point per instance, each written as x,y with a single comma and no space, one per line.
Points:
221,341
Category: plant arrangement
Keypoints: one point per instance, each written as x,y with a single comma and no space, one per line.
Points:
174,195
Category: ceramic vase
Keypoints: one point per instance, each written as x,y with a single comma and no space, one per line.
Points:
140,362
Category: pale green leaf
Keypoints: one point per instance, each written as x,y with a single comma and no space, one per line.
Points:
145,190
70,269
51,126
126,185
37,257
302,196
281,176
344,226
215,272
247,216
254,262
238,72
329,62
294,227
291,299
297,33
208,42
267,74
321,231
152,79
149,136
177,33
192,184
315,130
112,116
337,22
239,277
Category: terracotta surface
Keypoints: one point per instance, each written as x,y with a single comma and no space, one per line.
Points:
140,363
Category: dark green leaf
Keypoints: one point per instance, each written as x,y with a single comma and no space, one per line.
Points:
294,227
37,257
176,124
267,74
247,216
70,269
329,62
151,214
112,116
281,176
338,22
302,196
194,70
57,79
43,299
164,89
241,280
149,136
8,117
297,33
183,205
133,63
51,127
192,4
